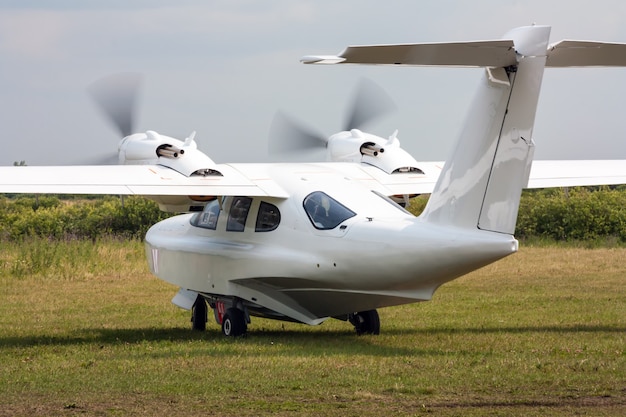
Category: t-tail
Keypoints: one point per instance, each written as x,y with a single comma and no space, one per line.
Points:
481,183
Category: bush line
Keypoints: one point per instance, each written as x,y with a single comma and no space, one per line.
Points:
587,214
52,218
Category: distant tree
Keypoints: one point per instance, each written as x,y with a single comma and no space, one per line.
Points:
19,163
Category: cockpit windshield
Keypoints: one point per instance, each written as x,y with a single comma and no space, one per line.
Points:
325,212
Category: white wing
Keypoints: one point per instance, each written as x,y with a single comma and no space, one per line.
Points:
259,180
543,174
546,174
129,180
406,183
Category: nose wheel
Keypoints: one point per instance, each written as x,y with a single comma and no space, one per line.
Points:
365,322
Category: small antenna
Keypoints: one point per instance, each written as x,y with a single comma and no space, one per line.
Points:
190,138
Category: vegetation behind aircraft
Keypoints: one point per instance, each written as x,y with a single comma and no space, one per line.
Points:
592,214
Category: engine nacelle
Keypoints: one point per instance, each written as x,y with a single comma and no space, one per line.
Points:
358,146
153,148
181,156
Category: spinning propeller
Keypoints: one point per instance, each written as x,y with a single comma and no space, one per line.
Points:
117,95
289,136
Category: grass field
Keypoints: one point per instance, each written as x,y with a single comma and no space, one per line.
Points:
540,333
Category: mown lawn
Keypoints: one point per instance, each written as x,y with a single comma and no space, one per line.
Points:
540,333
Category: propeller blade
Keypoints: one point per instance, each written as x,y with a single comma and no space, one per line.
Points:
288,135
370,102
116,96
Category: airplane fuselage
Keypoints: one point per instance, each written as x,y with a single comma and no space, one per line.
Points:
379,255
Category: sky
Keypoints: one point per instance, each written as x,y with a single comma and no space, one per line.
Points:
225,68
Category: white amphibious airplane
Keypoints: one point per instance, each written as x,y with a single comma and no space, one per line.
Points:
309,241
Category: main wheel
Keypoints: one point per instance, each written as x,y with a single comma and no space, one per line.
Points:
234,323
366,322
199,314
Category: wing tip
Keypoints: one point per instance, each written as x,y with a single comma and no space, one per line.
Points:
322,59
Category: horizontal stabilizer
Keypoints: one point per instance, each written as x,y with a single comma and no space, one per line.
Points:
498,53
568,53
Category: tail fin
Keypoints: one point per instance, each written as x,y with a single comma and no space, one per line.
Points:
481,183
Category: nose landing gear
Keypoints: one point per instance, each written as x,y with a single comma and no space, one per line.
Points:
199,314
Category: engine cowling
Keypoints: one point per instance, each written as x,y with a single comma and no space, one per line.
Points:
153,148
358,146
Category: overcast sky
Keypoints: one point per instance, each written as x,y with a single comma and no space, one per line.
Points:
224,68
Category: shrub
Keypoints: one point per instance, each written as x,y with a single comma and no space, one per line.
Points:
573,214
48,217
567,214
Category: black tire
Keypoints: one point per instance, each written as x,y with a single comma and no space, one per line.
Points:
366,322
199,313
234,323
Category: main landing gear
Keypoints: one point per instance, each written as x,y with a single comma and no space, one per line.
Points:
234,322
365,322
233,319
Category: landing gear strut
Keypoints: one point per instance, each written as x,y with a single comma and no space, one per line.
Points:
199,314
365,322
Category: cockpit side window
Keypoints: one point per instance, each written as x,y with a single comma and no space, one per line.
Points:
325,212
209,216
268,217
238,214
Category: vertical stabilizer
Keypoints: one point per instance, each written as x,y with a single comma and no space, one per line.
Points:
481,183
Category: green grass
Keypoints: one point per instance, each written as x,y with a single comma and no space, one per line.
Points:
540,333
